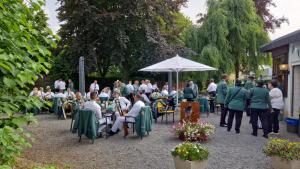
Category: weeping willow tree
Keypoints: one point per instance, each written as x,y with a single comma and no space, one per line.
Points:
229,38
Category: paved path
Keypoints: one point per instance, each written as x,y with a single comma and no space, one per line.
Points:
55,144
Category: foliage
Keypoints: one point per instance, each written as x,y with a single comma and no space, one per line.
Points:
12,142
230,37
283,148
24,57
190,151
128,34
188,131
270,21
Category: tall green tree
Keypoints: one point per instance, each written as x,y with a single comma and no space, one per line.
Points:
230,36
125,33
24,57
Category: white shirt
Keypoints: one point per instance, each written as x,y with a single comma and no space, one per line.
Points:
61,85
143,87
70,95
149,88
137,107
130,88
92,105
94,87
173,92
49,95
276,98
154,87
164,92
124,103
56,84
60,95
103,94
212,87
88,96
146,99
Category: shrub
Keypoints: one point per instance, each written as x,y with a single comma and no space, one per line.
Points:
190,151
188,131
283,148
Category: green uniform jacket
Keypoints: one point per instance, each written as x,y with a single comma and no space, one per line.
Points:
236,98
249,85
188,93
221,92
259,98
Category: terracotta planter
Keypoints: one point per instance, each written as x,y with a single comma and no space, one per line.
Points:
278,163
181,164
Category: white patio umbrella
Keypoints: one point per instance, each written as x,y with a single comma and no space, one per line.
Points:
177,64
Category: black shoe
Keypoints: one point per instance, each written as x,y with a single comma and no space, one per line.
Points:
228,130
223,125
99,135
118,131
237,131
266,136
254,134
111,133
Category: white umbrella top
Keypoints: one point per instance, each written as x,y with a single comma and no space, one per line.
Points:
177,64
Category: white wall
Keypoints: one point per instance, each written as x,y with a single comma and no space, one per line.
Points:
294,60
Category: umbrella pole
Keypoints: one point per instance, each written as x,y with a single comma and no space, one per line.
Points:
177,88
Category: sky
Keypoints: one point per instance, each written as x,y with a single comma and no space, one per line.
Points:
288,8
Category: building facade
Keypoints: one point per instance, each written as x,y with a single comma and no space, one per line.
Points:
286,69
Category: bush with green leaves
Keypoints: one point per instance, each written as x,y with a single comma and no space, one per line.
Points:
283,148
190,151
25,43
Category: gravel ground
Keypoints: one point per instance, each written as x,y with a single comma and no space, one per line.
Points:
54,144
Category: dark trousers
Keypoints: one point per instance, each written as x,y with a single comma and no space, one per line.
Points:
238,119
273,121
248,112
223,114
263,116
212,101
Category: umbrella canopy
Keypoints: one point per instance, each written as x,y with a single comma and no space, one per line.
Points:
177,64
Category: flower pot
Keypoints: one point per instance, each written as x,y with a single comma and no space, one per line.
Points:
181,164
278,163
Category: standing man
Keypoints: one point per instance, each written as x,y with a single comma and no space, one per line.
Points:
94,86
56,85
249,85
148,90
221,95
136,86
212,89
130,90
61,85
235,101
194,88
71,85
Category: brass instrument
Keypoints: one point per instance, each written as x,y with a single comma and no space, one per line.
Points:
119,108
122,113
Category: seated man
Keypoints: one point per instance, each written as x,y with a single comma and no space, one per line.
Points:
70,94
145,98
60,94
134,112
92,105
124,103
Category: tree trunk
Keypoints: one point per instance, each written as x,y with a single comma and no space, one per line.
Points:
237,67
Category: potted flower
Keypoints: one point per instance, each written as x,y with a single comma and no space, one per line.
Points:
190,156
188,131
284,154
